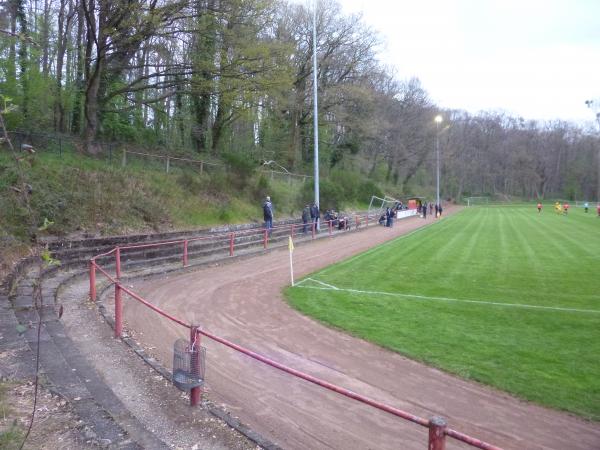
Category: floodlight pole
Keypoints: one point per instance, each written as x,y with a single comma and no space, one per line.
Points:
438,119
316,110
595,106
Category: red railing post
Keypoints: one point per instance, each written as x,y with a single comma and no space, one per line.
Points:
185,253
92,280
231,241
437,433
266,238
118,300
313,229
195,393
117,262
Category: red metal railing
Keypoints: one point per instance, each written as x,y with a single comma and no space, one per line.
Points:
437,426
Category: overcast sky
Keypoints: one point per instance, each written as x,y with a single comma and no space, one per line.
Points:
538,59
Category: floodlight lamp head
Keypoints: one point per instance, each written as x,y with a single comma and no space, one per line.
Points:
438,119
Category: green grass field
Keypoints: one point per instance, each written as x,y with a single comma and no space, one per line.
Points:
500,295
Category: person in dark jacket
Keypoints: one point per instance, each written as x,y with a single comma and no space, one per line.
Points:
315,215
389,216
268,214
305,217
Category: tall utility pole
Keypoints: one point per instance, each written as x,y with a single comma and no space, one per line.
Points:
438,119
316,109
595,106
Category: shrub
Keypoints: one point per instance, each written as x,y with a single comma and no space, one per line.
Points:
262,187
241,167
366,189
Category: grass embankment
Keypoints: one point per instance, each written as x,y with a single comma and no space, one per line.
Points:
91,196
501,259
78,192
82,194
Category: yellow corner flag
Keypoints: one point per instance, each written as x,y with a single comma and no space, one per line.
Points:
290,244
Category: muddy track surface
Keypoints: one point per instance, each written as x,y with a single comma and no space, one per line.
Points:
242,302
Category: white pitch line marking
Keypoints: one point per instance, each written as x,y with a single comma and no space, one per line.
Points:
446,299
327,286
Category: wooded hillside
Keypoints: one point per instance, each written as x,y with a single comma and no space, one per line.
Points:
223,77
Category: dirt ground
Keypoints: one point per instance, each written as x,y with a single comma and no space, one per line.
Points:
55,425
242,302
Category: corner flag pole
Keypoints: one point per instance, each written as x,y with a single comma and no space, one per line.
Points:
291,247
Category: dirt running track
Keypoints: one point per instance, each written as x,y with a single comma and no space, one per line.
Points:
242,302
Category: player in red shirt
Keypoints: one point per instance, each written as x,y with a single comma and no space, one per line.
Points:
566,208
539,207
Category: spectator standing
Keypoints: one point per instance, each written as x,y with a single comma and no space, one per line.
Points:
437,210
430,208
315,215
268,214
389,217
305,217
425,211
440,210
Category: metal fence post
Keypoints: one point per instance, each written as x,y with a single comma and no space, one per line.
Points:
185,253
118,300
292,232
231,242
201,167
313,229
92,280
195,393
437,435
330,226
266,238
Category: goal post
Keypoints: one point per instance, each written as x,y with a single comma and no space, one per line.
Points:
585,203
474,201
378,205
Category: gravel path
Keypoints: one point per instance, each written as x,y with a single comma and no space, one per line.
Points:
157,414
242,302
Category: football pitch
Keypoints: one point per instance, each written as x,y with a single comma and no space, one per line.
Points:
501,295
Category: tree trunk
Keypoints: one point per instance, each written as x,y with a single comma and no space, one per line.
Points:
45,40
91,109
80,64
63,31
12,51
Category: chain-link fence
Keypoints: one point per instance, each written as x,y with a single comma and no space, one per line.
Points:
130,155
58,144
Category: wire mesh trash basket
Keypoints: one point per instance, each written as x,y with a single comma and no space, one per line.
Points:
188,365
